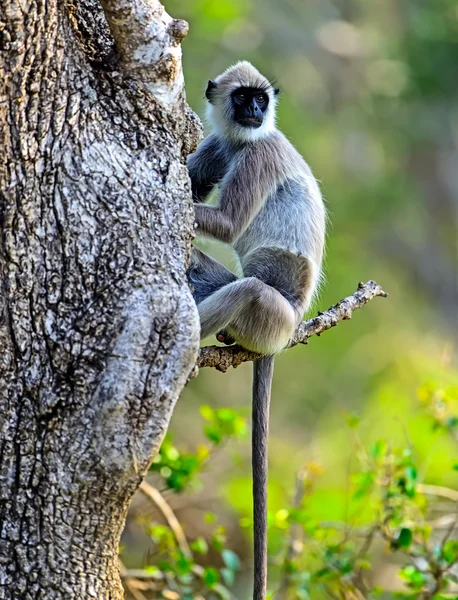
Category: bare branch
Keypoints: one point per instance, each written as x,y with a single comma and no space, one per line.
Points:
155,495
148,41
438,490
223,357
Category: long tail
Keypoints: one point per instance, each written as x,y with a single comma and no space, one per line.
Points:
262,383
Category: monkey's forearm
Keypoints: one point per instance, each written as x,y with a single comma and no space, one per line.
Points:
200,186
238,204
200,191
211,221
206,167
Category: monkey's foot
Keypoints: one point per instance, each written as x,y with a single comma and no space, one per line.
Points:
224,337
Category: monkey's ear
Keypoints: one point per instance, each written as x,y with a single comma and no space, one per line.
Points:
211,87
276,91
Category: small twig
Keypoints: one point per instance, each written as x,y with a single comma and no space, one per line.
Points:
438,490
443,522
222,358
153,494
451,528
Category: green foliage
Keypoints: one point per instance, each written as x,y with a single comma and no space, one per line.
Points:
442,404
179,469
223,424
177,571
320,558
336,557
177,568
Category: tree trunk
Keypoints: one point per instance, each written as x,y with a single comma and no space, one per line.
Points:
98,330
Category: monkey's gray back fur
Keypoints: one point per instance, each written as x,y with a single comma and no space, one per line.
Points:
292,217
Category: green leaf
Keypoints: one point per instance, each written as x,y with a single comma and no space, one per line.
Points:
164,565
411,472
226,414
379,449
228,576
183,565
452,422
403,539
211,577
364,483
199,545
213,433
415,578
231,560
290,566
171,453
450,551
298,515
166,472
218,541
325,574
406,486
189,464
207,412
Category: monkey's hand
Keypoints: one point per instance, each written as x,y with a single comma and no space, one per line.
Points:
213,222
224,337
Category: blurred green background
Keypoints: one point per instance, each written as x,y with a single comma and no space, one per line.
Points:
370,98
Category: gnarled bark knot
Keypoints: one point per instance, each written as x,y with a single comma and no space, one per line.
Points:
148,40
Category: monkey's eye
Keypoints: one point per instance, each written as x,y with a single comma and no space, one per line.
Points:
240,97
260,99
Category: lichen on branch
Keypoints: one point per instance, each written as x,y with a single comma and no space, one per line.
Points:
224,357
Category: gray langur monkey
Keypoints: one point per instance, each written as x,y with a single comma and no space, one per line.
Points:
271,212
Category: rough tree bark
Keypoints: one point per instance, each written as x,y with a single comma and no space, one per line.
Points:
98,331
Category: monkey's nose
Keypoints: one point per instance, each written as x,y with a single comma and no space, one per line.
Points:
255,113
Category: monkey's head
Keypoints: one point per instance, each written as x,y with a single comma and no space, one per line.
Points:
242,103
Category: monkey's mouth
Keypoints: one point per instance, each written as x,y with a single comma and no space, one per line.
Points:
250,122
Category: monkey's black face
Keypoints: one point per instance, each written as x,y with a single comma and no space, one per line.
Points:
249,106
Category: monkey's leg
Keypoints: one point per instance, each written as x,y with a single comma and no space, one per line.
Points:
207,275
294,276
225,304
255,314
